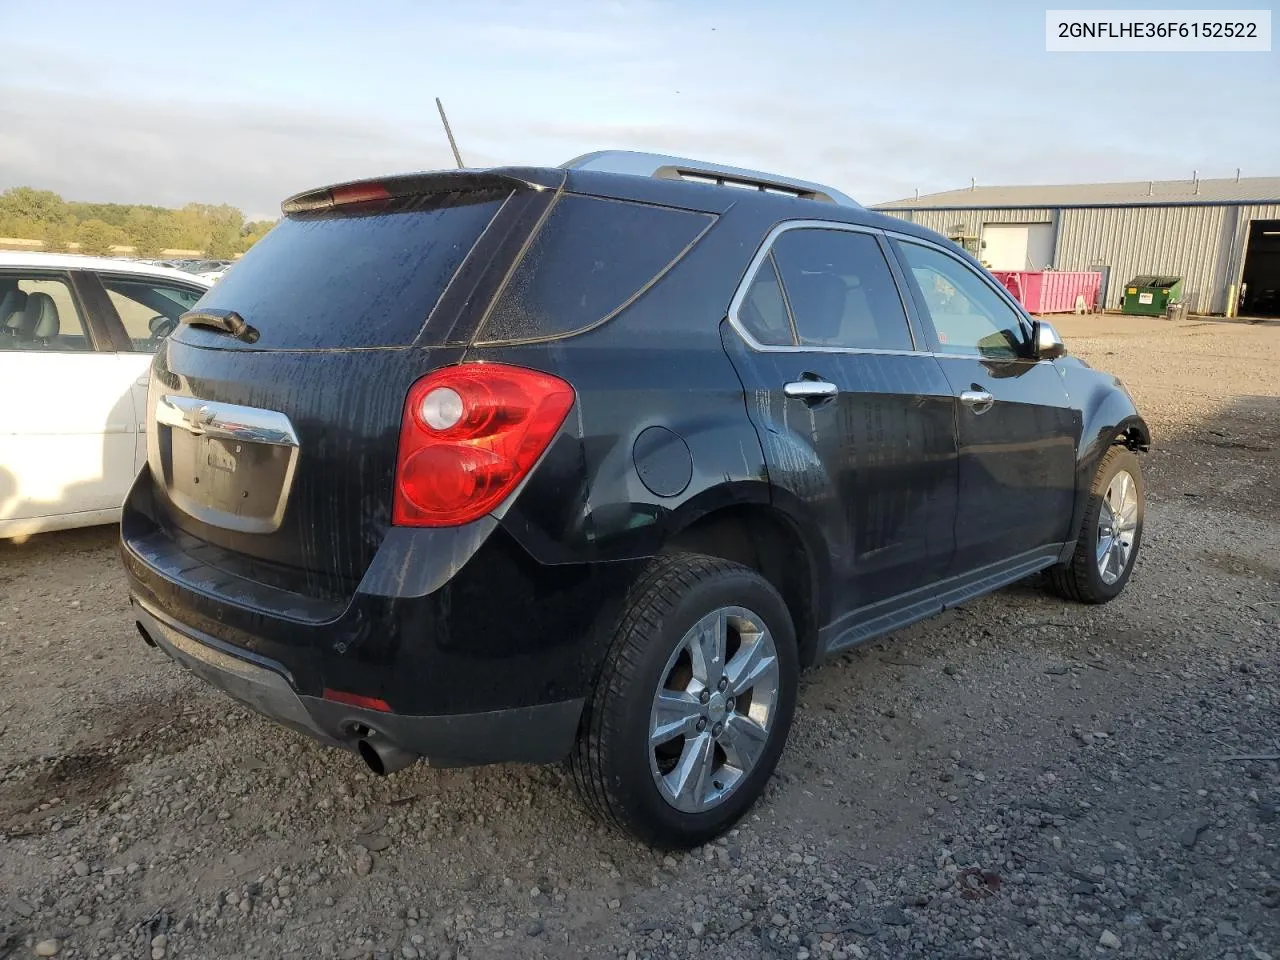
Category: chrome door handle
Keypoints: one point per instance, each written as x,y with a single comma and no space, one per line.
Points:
979,401
811,390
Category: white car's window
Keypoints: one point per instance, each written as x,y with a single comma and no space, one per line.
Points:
967,315
40,313
149,309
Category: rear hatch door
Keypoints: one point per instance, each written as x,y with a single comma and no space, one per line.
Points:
275,408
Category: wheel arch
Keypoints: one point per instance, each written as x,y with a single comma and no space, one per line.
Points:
1109,416
1133,433
767,540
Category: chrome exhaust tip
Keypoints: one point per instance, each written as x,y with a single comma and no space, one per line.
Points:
383,758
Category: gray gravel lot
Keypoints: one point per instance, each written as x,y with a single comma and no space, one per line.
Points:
1020,777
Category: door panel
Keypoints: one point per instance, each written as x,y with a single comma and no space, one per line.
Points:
856,425
68,440
1016,428
136,367
1017,459
876,463
69,446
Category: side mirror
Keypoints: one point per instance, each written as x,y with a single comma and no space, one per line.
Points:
1048,344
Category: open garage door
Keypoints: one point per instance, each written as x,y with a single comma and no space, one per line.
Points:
1260,290
1017,246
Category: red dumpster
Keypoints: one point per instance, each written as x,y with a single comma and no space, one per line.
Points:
1050,291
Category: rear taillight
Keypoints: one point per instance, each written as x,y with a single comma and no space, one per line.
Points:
468,436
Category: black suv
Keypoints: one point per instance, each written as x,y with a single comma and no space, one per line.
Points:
524,464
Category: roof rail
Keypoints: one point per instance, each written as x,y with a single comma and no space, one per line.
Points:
681,168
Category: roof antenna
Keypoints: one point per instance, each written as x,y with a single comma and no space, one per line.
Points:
973,183
917,193
1151,185
1195,179
1237,174
453,144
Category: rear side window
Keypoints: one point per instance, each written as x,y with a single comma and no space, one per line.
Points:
763,311
591,258
841,291
350,279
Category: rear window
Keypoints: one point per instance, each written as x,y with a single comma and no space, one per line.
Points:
347,279
591,258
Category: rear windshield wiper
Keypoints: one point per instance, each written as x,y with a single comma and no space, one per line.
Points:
228,321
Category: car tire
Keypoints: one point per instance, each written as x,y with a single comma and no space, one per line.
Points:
1110,534
686,790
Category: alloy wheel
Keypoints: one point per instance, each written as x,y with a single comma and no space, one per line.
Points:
1117,527
714,709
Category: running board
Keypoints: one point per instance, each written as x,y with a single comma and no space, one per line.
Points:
875,620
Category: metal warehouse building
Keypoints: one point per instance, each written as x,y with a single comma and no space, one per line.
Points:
1216,234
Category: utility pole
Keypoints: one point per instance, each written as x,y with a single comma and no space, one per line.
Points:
449,133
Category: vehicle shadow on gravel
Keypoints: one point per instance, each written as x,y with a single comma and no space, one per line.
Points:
81,781
1232,458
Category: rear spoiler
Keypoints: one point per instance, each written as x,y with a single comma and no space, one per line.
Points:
416,184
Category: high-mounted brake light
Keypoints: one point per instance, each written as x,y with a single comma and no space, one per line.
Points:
358,193
339,196
468,436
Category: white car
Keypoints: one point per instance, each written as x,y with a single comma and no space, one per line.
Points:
76,338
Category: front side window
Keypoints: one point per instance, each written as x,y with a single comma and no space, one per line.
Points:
149,309
841,291
968,316
40,313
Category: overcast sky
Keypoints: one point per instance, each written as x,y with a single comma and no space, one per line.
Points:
246,103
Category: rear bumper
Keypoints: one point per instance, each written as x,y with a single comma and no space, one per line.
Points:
536,734
479,652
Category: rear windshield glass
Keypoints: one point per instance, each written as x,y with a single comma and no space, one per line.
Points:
350,280
591,257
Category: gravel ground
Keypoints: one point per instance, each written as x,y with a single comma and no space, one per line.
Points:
1020,777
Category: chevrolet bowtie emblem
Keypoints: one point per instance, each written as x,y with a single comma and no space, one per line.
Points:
199,416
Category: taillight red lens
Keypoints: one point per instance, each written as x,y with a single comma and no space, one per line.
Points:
356,700
468,436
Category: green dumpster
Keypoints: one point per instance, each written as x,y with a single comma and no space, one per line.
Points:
1149,295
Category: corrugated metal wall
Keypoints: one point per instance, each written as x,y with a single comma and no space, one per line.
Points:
1204,245
1194,243
1259,211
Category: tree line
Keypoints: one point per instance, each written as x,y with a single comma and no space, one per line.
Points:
220,230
